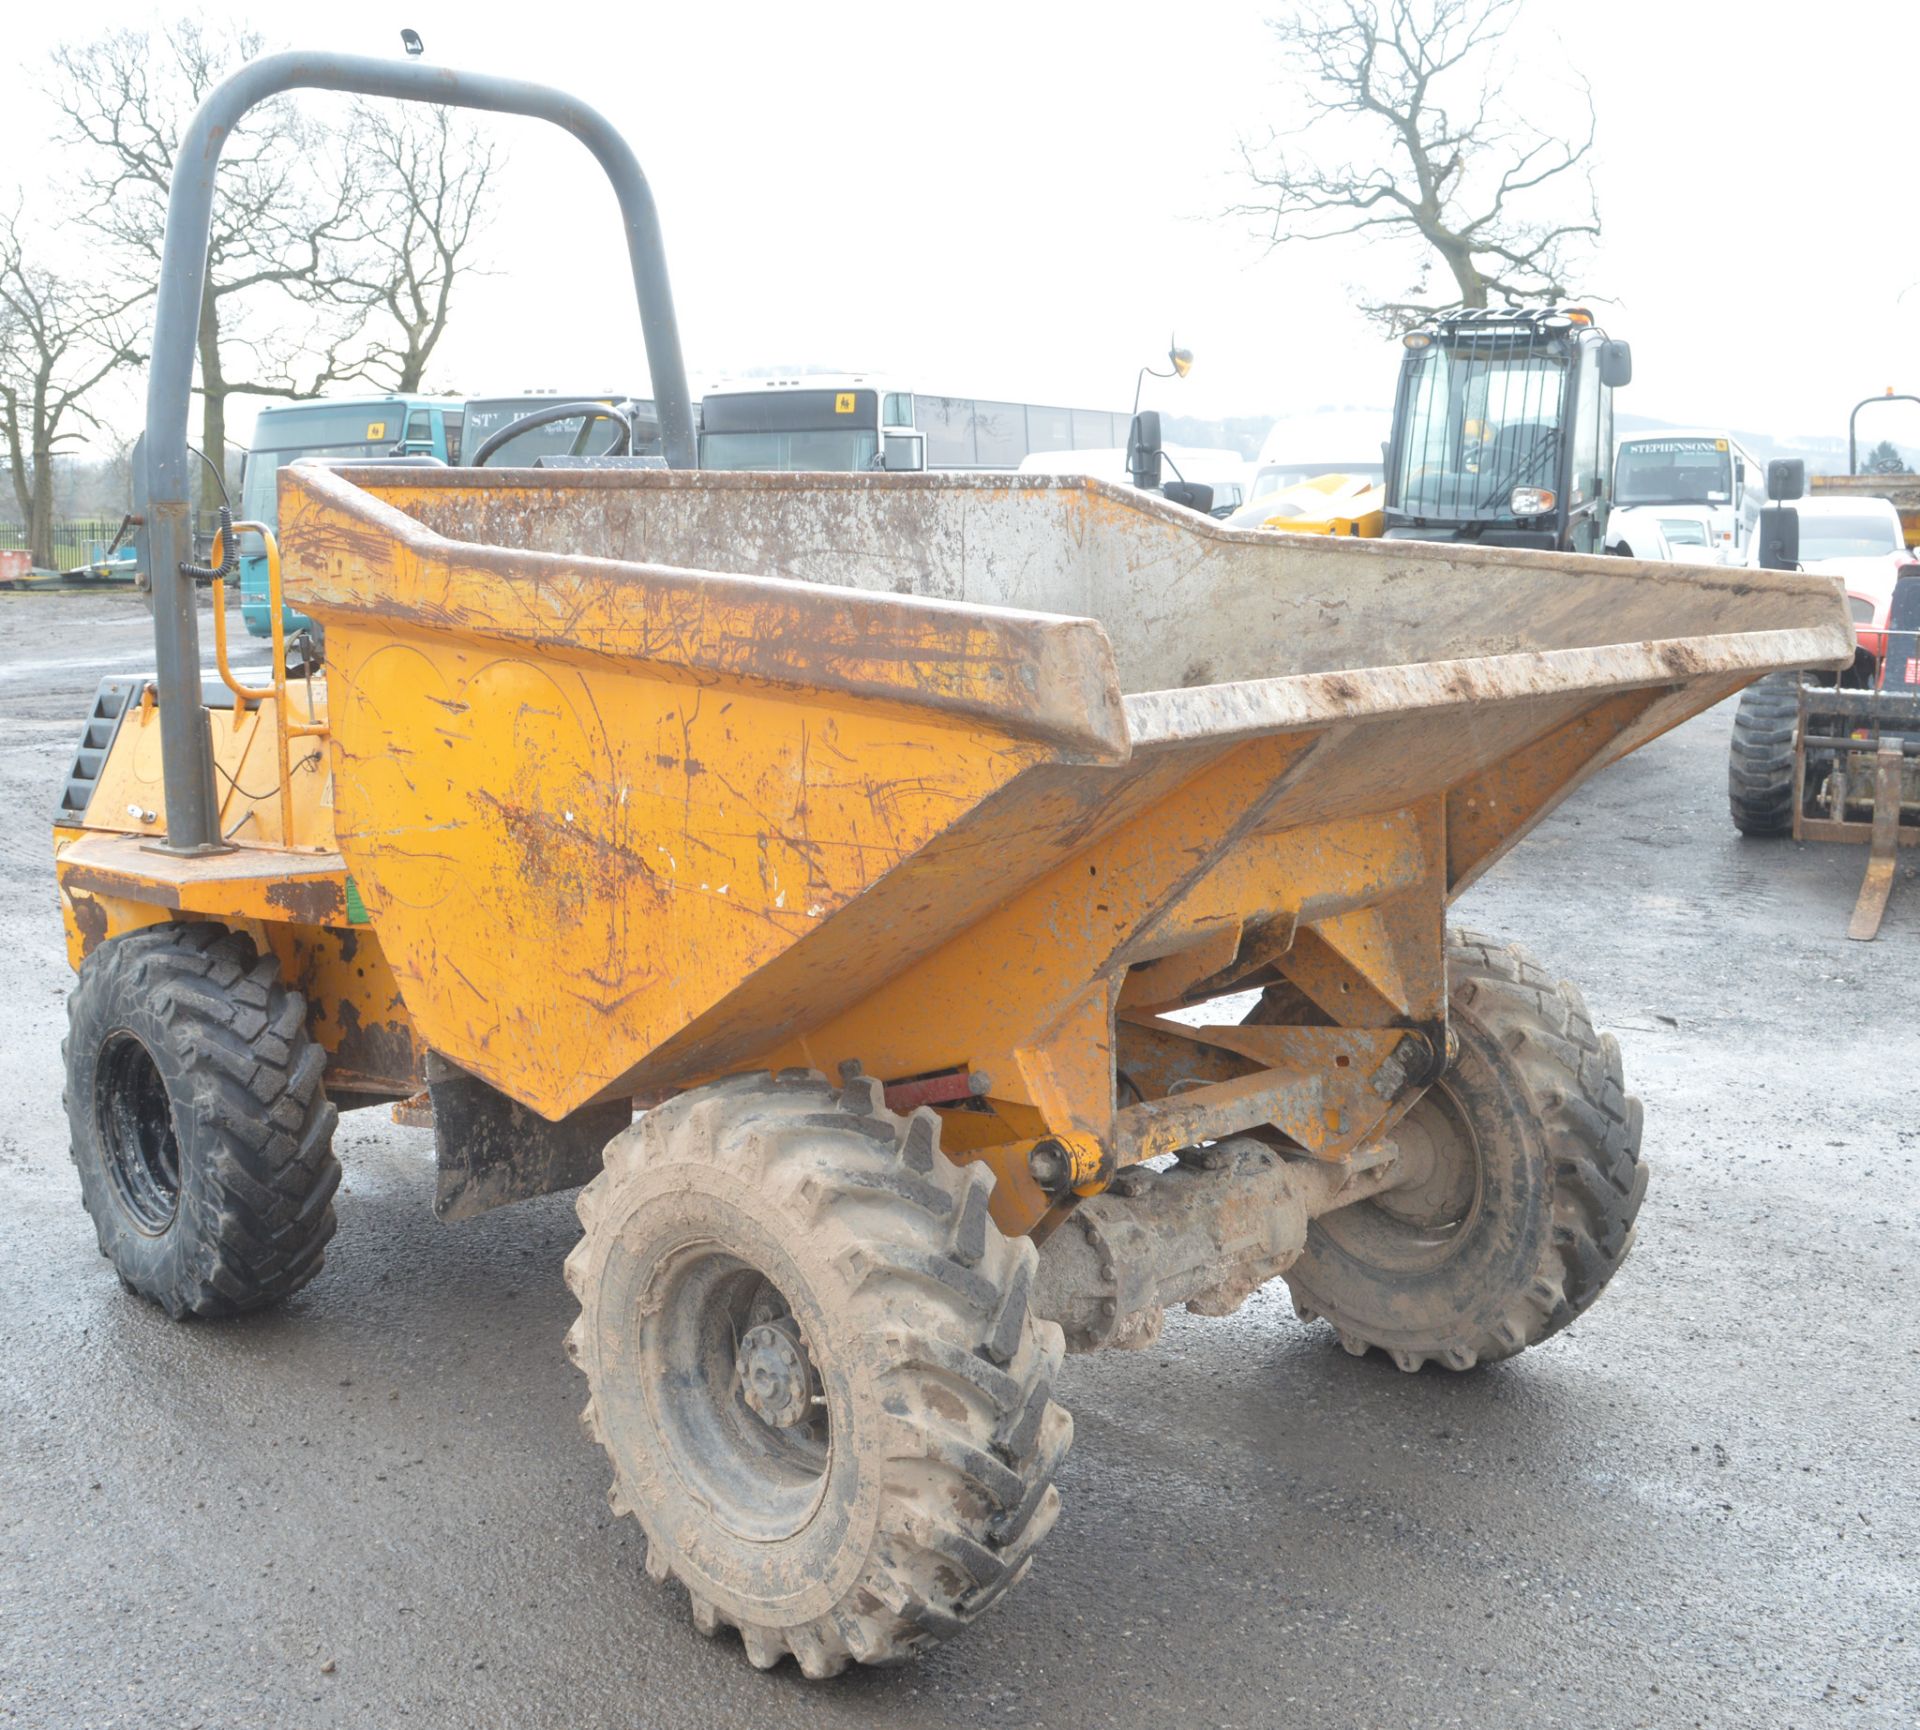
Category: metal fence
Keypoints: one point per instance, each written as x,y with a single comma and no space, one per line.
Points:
74,539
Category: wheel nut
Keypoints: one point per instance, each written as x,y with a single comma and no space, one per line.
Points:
776,1379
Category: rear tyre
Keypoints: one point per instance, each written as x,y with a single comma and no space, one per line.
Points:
1760,758
810,1358
1525,1180
199,1125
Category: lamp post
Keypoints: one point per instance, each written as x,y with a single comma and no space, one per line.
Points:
1181,360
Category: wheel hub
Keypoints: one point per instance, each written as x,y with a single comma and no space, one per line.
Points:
1421,1221
775,1373
134,1122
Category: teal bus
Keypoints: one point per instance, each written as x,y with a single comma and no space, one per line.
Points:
371,426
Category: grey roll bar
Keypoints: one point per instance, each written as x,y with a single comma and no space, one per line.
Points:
186,752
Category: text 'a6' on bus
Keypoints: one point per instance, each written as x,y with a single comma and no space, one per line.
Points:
340,430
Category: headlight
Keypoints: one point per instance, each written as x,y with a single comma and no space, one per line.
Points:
1861,608
1530,501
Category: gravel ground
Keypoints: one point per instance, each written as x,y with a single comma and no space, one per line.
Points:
1696,1507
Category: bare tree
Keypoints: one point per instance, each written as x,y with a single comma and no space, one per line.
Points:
1405,136
282,305
430,178
58,341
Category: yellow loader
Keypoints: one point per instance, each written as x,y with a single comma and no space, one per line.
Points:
838,876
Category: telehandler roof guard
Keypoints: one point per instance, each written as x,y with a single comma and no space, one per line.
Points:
1503,429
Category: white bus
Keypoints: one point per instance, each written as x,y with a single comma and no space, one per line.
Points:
1702,490
854,422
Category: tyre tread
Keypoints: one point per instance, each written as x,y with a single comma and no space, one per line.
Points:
1572,1076
261,1117
1760,756
973,1437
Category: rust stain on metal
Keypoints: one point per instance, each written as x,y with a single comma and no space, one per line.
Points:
89,918
78,877
309,901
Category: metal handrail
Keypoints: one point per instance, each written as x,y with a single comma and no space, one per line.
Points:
284,726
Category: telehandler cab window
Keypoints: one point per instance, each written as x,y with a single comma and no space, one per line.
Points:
1478,418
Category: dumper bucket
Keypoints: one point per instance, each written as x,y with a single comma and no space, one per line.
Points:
646,777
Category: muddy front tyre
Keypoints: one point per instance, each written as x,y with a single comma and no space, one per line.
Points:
810,1358
1760,756
199,1125
1524,1179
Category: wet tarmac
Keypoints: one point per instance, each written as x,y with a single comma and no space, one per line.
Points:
1698,1506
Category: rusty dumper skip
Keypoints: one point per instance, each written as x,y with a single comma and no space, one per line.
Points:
870,829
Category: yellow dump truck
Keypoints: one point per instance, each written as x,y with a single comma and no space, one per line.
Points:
838,876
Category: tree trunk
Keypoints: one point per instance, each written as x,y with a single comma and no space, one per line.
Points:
213,440
22,481
1472,285
213,415
40,519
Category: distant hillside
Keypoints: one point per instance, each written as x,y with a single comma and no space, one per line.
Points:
1823,453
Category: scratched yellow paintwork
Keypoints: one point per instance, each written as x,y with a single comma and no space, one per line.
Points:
568,869
354,1008
581,811
128,798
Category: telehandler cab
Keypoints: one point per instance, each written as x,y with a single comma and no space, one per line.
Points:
869,830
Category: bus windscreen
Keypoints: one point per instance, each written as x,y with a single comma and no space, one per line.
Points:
360,429
791,432
791,411
1673,471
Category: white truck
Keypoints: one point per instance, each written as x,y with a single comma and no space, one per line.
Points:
1696,493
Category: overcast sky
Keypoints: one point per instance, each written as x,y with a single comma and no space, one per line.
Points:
1022,200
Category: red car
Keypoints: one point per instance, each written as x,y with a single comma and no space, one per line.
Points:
1860,541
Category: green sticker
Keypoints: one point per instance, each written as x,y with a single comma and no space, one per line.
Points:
356,908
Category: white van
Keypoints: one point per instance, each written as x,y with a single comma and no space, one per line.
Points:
1702,491
1299,447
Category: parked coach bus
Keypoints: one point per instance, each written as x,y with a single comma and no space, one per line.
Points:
857,422
372,426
